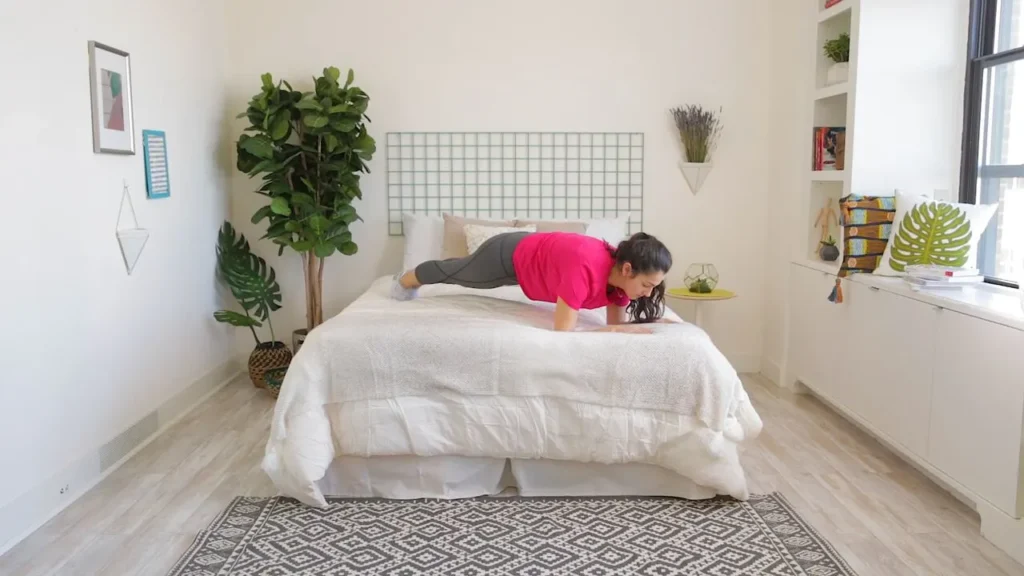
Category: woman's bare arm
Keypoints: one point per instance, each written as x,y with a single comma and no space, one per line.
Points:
565,317
616,315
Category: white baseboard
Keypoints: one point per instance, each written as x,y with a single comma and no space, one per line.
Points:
26,513
771,370
1002,530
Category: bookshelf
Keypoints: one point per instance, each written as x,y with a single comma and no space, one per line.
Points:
900,105
832,91
827,175
839,10
831,106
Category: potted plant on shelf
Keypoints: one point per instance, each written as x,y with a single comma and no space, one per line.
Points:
828,251
254,285
699,130
838,51
309,148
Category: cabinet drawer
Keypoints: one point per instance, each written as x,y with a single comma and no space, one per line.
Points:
815,341
889,360
978,407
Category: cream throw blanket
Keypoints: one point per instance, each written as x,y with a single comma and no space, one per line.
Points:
480,373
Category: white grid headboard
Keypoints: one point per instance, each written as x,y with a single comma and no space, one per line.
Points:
539,175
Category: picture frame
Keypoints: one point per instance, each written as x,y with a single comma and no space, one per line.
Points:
154,150
110,84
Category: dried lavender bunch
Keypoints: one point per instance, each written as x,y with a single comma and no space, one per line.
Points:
698,130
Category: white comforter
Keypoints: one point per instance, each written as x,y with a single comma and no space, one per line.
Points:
474,373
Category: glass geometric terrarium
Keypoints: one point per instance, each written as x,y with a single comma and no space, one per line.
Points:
701,278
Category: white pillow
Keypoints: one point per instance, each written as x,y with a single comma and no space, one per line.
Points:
967,221
477,235
611,230
424,239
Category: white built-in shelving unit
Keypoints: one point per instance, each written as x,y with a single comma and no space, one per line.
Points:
901,104
832,106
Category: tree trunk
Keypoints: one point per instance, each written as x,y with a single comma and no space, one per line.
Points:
320,293
314,290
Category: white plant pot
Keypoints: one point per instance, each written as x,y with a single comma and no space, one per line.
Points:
695,173
837,73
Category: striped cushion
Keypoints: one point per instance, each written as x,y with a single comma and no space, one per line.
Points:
867,223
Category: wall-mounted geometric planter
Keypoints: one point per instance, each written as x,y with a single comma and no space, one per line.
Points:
695,174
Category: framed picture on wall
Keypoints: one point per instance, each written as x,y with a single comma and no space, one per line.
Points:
110,80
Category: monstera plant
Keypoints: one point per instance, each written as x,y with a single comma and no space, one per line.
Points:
931,233
309,149
254,285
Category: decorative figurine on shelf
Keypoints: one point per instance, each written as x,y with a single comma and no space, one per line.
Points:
828,251
701,278
826,216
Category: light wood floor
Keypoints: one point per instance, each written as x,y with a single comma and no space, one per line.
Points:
881,515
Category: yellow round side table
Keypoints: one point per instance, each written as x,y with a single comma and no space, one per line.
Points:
699,298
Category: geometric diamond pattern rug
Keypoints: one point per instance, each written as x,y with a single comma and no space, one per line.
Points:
511,536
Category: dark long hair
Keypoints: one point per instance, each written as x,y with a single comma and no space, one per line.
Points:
645,254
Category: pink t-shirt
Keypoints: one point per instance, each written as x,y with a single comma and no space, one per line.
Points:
573,267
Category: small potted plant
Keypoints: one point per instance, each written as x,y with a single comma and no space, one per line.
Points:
254,285
701,278
828,251
838,51
699,130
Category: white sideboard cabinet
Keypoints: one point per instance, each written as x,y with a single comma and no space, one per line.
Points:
937,378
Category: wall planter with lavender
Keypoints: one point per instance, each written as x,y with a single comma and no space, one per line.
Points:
838,51
699,130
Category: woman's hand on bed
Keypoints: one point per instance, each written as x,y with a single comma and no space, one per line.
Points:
624,329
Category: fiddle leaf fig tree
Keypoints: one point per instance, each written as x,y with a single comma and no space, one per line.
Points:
309,149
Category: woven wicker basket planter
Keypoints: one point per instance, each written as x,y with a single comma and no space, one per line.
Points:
267,356
275,379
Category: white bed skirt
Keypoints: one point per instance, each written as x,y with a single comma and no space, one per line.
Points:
448,477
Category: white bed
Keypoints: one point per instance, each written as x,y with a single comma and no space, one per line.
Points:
462,393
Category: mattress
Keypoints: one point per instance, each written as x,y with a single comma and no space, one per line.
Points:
480,374
412,477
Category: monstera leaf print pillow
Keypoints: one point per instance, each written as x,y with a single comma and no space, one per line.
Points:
929,231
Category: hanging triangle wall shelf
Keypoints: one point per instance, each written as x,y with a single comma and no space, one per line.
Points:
131,238
695,173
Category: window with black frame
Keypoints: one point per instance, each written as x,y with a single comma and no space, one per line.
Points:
993,161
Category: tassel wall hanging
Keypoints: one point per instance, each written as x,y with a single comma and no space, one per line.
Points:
836,296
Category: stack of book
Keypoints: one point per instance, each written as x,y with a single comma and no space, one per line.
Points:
930,276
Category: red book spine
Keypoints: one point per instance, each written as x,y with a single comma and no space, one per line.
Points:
831,3
818,152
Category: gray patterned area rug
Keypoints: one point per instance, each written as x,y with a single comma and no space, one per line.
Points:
511,536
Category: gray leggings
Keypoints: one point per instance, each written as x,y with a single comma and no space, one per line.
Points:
489,267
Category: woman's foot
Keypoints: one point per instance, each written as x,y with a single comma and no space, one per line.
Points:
399,290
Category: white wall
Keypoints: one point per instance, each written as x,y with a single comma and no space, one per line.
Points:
791,29
88,350
540,66
909,109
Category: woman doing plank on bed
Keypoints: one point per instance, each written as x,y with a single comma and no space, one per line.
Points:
570,270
